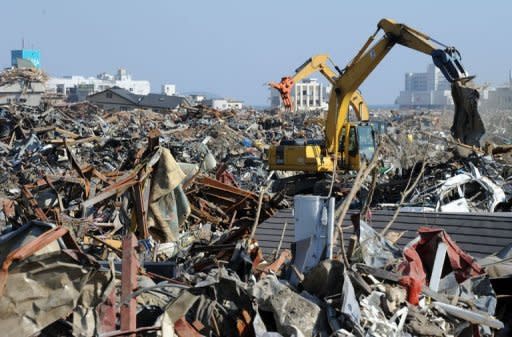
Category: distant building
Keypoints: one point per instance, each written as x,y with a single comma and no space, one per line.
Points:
22,92
77,88
308,94
275,98
24,82
197,98
80,92
169,89
119,99
32,55
425,90
496,99
432,79
224,104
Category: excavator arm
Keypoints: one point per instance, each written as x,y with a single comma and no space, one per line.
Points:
312,65
358,139
369,57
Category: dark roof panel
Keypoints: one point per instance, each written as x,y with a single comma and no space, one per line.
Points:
162,101
126,94
478,234
150,101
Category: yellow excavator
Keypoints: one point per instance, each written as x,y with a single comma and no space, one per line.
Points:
346,142
308,155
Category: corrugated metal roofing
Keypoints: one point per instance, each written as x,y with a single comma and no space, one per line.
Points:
159,101
162,101
133,98
478,234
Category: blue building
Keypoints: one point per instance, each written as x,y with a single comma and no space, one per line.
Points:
31,55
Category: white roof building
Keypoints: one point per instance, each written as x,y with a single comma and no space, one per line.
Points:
67,84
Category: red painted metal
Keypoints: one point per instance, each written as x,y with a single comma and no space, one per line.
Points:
285,87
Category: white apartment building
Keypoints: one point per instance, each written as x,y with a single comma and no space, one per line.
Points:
197,98
225,104
80,86
169,89
308,94
426,90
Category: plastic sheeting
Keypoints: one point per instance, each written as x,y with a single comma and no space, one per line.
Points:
293,313
169,205
374,249
50,285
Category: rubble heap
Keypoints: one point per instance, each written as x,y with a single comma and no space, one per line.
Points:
141,223
12,75
227,288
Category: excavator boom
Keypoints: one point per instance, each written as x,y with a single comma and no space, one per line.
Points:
369,57
309,156
312,65
317,63
347,142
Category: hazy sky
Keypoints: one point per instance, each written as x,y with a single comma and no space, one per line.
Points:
233,48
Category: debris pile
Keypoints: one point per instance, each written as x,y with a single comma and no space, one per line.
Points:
12,75
64,164
439,173
140,223
76,182
226,288
475,184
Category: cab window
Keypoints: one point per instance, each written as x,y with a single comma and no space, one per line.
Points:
352,141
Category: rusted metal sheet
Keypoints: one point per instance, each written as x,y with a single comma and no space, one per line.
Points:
129,284
78,169
225,176
107,312
8,207
140,210
220,187
184,329
27,250
33,203
125,182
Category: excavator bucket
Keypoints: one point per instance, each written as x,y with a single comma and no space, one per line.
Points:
467,124
284,87
449,62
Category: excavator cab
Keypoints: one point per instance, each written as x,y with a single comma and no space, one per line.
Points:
356,146
366,141
351,143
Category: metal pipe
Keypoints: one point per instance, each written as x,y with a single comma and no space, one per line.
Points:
281,240
331,210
